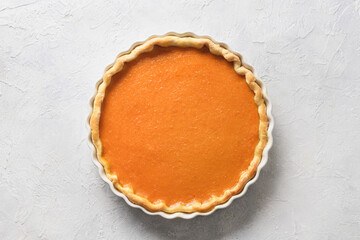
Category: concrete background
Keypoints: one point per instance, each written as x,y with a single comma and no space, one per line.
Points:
53,52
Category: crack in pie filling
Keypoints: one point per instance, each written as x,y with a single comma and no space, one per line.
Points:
179,124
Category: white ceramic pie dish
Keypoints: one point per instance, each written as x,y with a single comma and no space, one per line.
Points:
263,162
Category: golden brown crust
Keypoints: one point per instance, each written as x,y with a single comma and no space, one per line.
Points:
181,41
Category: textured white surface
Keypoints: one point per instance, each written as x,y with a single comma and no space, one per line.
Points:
53,52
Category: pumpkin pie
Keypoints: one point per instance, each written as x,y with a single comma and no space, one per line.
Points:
179,124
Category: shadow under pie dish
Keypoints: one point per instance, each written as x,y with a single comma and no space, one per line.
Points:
179,124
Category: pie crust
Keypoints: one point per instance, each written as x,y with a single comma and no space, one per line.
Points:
198,43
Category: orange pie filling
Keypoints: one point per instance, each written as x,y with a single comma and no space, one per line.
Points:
178,125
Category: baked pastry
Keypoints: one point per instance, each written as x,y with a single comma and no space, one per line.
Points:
179,124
